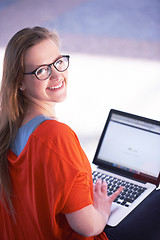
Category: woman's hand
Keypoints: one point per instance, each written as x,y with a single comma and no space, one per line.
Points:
103,202
91,220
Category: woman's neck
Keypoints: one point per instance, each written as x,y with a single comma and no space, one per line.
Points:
36,110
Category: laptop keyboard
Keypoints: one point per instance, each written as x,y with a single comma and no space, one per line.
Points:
129,193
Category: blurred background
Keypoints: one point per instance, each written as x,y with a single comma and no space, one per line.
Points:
115,56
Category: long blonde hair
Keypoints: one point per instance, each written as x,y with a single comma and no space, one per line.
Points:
12,101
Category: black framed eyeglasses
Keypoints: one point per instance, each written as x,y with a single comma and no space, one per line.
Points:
43,72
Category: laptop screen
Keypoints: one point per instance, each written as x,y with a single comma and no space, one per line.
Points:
131,144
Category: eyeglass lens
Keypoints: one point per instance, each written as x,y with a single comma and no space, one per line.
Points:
45,71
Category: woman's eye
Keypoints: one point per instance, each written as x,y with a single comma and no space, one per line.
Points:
59,62
41,71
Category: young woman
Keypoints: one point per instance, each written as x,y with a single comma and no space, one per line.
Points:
46,189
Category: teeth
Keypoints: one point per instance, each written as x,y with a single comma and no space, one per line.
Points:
56,87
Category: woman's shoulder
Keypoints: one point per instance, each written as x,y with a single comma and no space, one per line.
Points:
60,137
54,125
54,129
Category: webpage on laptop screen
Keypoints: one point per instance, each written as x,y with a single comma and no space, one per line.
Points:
133,145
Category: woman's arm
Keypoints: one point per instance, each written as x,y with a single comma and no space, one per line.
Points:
91,220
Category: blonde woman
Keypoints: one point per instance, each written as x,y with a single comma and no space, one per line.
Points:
46,189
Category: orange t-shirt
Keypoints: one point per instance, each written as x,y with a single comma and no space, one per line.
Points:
51,177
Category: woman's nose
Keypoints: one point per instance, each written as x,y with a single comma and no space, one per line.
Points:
54,73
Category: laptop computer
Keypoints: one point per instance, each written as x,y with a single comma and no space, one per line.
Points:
128,150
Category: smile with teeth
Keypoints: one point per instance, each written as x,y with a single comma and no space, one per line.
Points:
56,87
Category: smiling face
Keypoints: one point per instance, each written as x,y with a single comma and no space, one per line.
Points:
50,91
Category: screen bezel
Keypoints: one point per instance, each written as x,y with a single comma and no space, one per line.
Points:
107,166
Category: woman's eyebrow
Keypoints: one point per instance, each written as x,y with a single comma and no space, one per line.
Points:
57,58
48,63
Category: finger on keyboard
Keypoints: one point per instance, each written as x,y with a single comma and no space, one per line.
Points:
116,193
104,187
